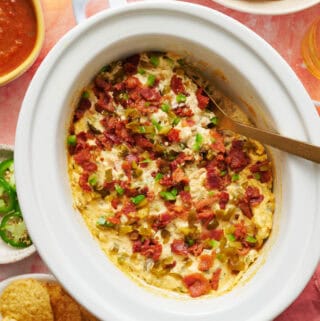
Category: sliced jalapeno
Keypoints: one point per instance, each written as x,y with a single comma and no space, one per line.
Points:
7,172
13,231
7,197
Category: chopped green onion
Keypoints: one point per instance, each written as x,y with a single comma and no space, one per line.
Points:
165,107
251,239
231,237
85,94
72,140
235,177
147,103
92,180
223,173
181,98
142,130
155,61
147,160
156,124
169,195
190,242
105,68
151,80
137,199
119,189
141,71
158,177
169,61
257,176
213,243
176,121
198,142
102,221
211,193
214,121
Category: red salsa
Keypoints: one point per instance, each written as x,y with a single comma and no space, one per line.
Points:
18,32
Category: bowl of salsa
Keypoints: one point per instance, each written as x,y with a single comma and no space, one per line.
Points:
21,37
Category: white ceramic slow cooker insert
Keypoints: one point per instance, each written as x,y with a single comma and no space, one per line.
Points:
254,72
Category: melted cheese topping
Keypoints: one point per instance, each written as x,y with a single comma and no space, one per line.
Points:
161,228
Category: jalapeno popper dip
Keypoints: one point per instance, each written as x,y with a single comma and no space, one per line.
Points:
173,201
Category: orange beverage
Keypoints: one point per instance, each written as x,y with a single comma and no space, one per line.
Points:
311,48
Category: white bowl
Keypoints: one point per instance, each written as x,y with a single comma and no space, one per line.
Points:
268,7
254,72
9,254
37,276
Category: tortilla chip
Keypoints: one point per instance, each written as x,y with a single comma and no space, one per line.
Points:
26,300
63,306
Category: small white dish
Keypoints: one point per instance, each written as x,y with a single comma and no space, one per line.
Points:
10,254
268,7
36,276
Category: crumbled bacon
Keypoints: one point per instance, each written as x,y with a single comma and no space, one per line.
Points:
253,196
196,249
180,160
126,166
104,103
214,180
166,181
102,84
223,200
265,175
237,158
218,144
83,105
131,64
205,262
196,284
205,203
162,221
179,176
173,135
203,100
245,208
83,159
179,247
177,85
83,182
115,202
215,279
216,234
185,197
128,208
240,231
183,111
150,94
149,248
132,82
143,142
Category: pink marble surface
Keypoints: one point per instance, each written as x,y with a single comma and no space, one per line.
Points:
284,33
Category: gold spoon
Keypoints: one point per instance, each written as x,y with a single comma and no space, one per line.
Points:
289,145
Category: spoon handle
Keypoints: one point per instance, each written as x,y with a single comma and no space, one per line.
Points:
292,146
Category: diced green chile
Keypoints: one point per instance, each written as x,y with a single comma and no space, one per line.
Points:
137,199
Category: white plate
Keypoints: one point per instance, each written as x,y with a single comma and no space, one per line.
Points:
36,276
10,254
268,7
